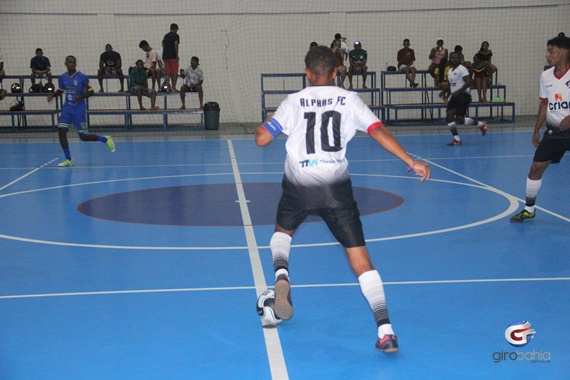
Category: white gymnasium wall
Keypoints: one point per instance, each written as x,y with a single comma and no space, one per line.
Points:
238,40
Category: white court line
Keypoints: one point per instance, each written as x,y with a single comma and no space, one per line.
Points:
112,181
179,290
25,175
508,196
275,355
514,204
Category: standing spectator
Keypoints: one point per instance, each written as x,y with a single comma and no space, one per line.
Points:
485,55
357,58
344,49
326,189
194,77
2,73
162,86
151,62
339,61
480,77
170,57
40,66
554,99
76,86
139,85
110,64
439,56
406,58
459,91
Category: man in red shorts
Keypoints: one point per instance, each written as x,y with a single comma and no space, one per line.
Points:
170,57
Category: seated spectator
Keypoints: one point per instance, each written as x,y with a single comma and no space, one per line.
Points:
357,59
480,76
3,93
339,61
193,79
2,73
406,58
41,67
444,84
485,55
459,50
139,85
110,64
439,56
151,63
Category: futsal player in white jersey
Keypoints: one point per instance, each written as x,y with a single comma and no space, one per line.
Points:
460,91
319,122
554,109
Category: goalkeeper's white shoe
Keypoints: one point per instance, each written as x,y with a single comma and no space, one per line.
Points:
65,164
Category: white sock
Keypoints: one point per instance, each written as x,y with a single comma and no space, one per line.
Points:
280,248
373,290
385,329
532,188
469,121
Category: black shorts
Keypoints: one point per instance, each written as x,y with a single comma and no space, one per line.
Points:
335,205
459,104
552,148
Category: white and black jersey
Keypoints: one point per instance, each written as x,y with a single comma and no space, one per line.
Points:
320,121
455,78
557,93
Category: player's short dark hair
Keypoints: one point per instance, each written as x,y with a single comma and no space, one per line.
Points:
143,43
560,41
320,60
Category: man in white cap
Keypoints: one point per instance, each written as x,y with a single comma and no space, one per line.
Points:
357,58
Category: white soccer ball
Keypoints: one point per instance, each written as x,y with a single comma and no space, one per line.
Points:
265,310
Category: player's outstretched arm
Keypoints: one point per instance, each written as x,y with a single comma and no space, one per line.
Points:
421,169
540,120
262,136
383,137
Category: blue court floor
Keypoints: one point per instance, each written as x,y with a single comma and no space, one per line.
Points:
146,263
